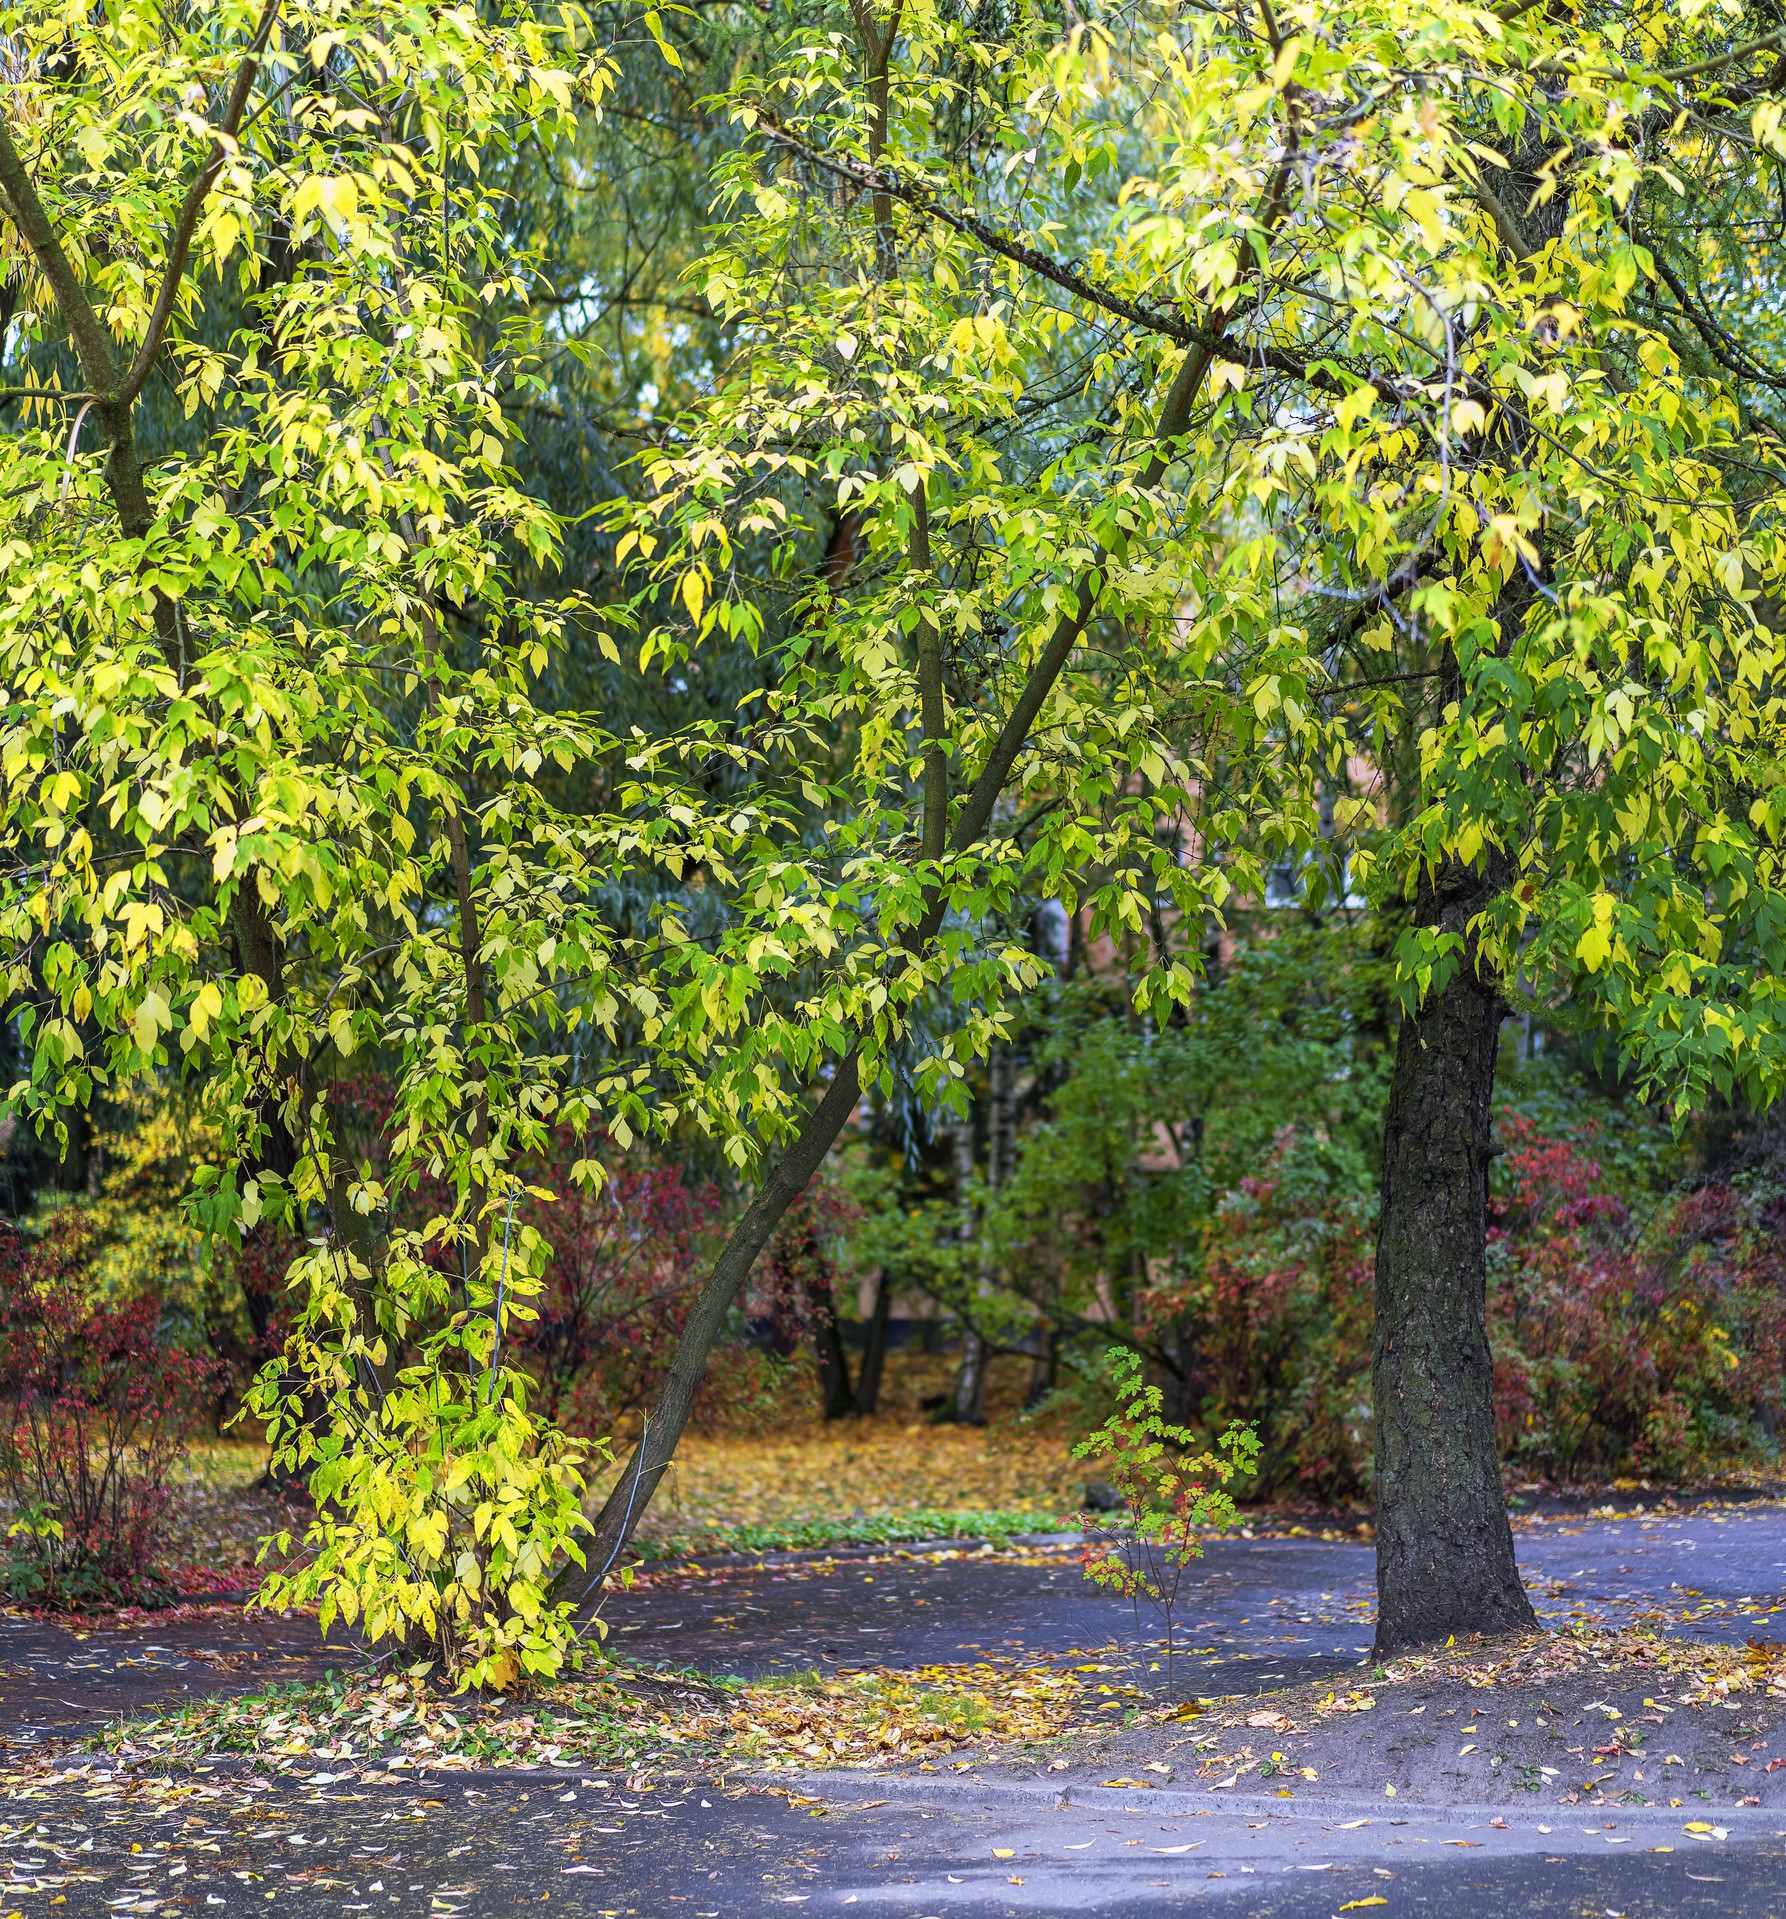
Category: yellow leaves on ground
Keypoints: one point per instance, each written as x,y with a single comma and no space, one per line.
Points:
876,1467
1536,1657
878,1718
855,1719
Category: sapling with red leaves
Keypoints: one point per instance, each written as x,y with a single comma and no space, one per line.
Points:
94,1407
1171,1495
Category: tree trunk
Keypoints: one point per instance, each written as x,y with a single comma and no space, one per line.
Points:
834,1363
874,1350
967,1405
676,1397
1044,1367
1444,1548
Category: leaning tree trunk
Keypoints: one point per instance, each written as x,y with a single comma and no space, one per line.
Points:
1444,1548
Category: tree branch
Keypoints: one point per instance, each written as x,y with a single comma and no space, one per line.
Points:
816,1136
91,341
187,223
880,182
1730,353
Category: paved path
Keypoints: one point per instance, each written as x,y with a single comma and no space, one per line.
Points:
895,1849
1252,1614
61,1681
1258,1613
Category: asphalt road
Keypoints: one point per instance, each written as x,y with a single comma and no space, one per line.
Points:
1257,1614
225,1843
56,1680
1252,1614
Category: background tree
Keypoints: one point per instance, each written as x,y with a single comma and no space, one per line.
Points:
1451,527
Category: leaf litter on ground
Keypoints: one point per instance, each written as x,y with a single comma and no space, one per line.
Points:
861,1717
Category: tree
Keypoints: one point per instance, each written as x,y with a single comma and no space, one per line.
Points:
888,363
1245,418
270,745
1127,448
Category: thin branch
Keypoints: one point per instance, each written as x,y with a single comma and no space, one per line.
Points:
1730,353
187,224
880,182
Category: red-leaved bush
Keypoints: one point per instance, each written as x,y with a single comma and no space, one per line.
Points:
1279,1320
1624,1345
627,1264
94,1409
1640,1346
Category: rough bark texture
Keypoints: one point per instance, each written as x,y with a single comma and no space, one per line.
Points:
1444,1548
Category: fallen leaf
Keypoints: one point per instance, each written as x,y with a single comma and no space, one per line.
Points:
1358,1905
1004,1852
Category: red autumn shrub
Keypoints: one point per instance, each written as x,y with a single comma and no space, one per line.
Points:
627,1264
1646,1346
94,1408
1283,1309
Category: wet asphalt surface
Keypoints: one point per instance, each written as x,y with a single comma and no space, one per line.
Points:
57,1680
229,1843
1251,1615
1256,1614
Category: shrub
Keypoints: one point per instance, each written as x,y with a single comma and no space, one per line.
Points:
94,1406
1647,1343
625,1267
1647,1346
1171,1494
1277,1323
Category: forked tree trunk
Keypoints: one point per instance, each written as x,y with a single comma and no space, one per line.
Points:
1444,1548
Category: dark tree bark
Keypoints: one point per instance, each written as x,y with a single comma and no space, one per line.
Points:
834,1363
1044,1369
874,1350
1444,1548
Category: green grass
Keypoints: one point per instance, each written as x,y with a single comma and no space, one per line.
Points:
874,1529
